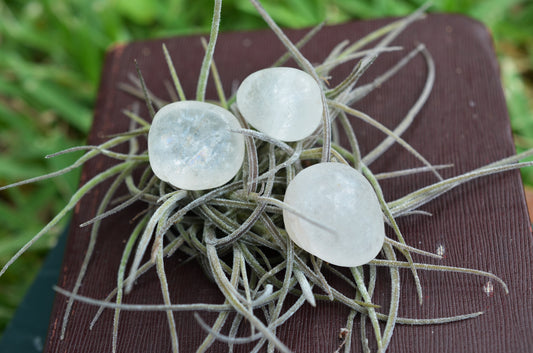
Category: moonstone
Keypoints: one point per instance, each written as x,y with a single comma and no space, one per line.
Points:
282,102
190,145
340,199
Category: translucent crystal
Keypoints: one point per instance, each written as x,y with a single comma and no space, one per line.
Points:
282,102
342,201
190,145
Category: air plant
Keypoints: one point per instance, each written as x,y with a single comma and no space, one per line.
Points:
230,226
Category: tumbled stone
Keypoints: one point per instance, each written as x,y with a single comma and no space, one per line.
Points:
190,145
282,102
340,199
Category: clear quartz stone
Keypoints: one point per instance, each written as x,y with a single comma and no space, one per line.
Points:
282,102
190,145
340,199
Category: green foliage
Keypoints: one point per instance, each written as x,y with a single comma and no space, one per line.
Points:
52,53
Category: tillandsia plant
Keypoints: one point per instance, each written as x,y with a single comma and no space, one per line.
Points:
234,184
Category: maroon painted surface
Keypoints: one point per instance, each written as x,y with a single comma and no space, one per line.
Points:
482,225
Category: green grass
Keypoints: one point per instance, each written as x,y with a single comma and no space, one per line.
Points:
51,54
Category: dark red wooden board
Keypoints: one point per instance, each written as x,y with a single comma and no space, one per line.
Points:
482,225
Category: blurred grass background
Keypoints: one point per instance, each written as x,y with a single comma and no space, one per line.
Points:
51,53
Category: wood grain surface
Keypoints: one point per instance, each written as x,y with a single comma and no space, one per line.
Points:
483,224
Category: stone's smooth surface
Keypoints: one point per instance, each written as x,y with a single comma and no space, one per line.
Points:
340,198
190,145
282,102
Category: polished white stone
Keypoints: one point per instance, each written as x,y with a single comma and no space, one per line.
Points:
190,145
341,199
282,102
